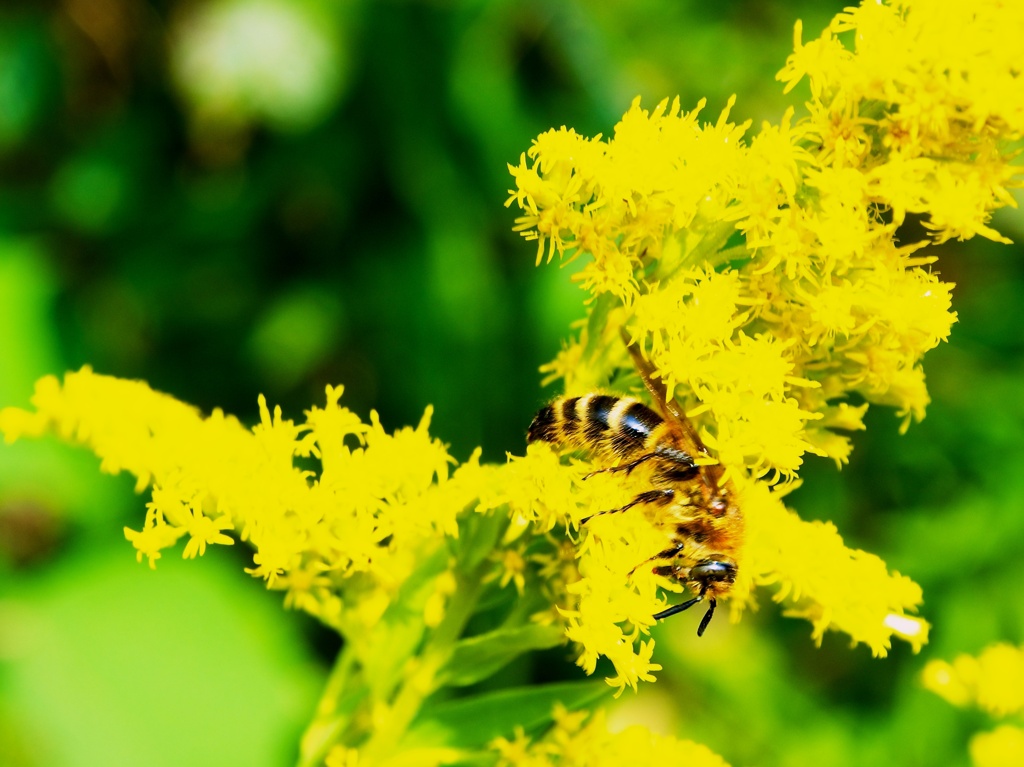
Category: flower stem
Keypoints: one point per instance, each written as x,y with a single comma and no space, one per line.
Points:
422,673
340,697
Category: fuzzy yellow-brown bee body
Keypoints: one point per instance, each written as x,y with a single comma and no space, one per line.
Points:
693,500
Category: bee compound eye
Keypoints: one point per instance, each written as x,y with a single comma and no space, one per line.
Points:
713,571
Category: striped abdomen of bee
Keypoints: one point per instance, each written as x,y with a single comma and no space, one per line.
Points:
615,427
696,505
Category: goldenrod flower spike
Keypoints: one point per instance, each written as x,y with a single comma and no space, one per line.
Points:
823,581
212,476
768,283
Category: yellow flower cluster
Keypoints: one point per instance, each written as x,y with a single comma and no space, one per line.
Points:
580,740
994,682
772,285
377,507
769,279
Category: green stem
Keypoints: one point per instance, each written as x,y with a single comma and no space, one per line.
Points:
332,711
421,681
706,250
729,254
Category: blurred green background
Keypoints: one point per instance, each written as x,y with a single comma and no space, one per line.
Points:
241,196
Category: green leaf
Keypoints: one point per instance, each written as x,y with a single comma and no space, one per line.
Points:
476,721
118,651
478,657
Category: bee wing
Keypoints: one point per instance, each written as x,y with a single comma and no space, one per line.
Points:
669,407
716,487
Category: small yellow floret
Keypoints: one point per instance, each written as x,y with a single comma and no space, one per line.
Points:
994,680
1003,747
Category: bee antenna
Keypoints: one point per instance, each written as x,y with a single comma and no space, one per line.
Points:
712,603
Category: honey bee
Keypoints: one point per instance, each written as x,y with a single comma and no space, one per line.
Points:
693,499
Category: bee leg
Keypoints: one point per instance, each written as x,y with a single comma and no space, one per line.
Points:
651,496
626,467
712,604
679,608
666,554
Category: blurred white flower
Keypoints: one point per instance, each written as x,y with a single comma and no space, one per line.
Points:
238,62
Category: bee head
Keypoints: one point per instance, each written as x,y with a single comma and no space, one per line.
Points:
712,571
708,574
